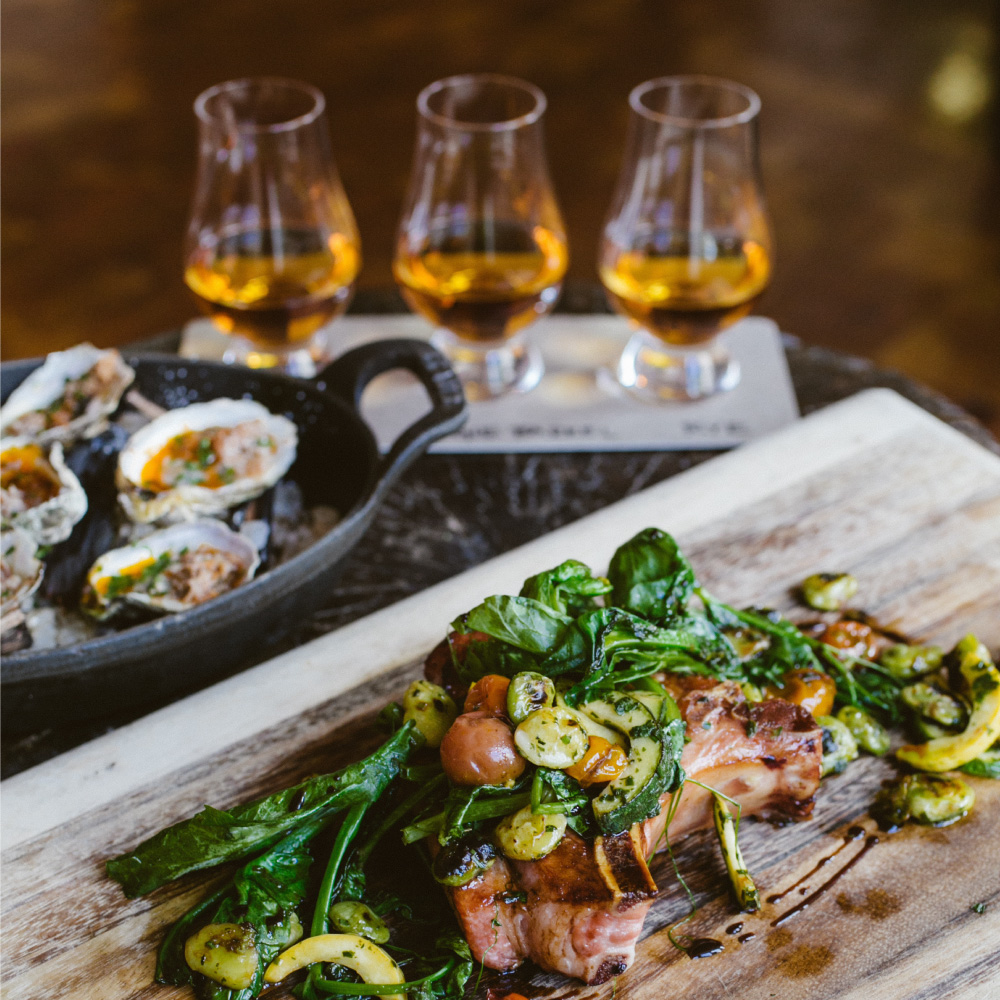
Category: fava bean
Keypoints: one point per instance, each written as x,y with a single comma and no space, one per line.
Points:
352,917
828,591
524,836
839,745
867,731
528,693
431,710
226,953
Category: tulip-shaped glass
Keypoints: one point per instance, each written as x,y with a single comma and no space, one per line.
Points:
272,249
481,249
686,248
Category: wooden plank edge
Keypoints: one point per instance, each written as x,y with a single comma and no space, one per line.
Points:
205,723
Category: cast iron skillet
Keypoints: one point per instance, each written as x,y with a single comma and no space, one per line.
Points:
338,463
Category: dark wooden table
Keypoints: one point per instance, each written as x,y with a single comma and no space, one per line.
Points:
451,512
879,143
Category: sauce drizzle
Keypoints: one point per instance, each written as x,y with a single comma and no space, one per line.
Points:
799,907
703,947
854,833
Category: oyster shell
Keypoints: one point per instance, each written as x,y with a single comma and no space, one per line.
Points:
38,492
171,570
69,397
20,571
203,459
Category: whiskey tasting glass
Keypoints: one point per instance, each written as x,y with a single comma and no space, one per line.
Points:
481,248
272,250
686,247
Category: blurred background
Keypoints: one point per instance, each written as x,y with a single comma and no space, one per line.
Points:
880,143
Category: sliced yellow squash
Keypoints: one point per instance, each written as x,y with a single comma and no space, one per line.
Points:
981,683
368,960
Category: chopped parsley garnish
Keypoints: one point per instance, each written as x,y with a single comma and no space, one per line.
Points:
123,583
204,454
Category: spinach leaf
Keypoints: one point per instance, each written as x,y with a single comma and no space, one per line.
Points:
520,621
863,684
214,836
570,588
453,942
651,577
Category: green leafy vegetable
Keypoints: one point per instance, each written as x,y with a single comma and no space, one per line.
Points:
522,622
214,836
265,893
651,577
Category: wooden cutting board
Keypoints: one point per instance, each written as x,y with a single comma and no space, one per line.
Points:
872,485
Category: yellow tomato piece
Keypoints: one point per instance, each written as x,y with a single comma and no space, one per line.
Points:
813,690
368,960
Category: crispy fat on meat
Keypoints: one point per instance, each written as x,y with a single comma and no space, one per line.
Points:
585,903
580,914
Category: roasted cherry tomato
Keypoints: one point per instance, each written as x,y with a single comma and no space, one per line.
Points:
854,638
603,761
488,694
811,689
479,750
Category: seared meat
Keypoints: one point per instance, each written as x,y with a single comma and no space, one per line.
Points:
584,904
767,757
578,911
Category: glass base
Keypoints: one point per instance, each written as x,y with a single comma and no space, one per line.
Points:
303,360
655,372
493,368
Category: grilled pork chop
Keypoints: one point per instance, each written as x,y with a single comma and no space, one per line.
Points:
580,909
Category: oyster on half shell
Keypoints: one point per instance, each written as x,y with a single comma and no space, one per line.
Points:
67,398
202,459
171,570
20,569
38,492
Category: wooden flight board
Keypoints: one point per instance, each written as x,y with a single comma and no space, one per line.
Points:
872,485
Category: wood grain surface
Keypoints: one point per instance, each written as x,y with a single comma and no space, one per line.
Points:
872,485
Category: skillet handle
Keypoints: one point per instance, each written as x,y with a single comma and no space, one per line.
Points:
349,375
